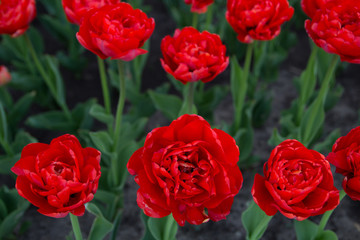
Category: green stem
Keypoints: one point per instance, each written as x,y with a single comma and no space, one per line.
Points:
326,216
168,226
46,77
195,20
104,85
121,103
326,82
239,104
209,17
76,227
190,97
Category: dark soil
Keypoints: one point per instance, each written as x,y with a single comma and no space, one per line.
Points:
346,219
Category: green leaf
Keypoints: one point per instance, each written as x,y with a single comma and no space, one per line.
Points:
255,221
100,228
5,96
238,84
102,141
275,138
147,234
3,124
22,139
326,145
327,235
52,120
3,210
163,228
20,109
169,105
305,230
312,122
54,72
7,162
92,208
99,113
81,114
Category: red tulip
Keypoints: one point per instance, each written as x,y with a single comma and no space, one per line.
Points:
16,15
192,56
59,177
335,28
345,156
257,19
117,31
76,9
185,168
199,6
297,182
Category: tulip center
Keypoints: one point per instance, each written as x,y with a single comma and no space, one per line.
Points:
183,170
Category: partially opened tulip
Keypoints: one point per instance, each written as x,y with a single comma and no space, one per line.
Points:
187,169
116,31
76,9
16,15
257,19
191,56
345,156
58,178
199,6
297,182
335,28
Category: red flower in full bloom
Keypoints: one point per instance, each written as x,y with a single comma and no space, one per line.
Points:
59,177
257,19
16,15
192,56
76,9
117,31
185,168
199,6
297,182
5,76
335,28
345,156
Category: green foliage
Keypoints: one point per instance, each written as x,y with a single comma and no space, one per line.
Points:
12,208
255,221
159,228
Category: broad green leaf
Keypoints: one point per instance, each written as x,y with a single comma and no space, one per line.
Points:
52,120
305,230
163,228
92,208
255,221
276,138
312,122
326,145
147,234
326,235
3,210
102,141
7,162
100,228
169,105
20,108
99,113
53,70
22,139
81,114
238,85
